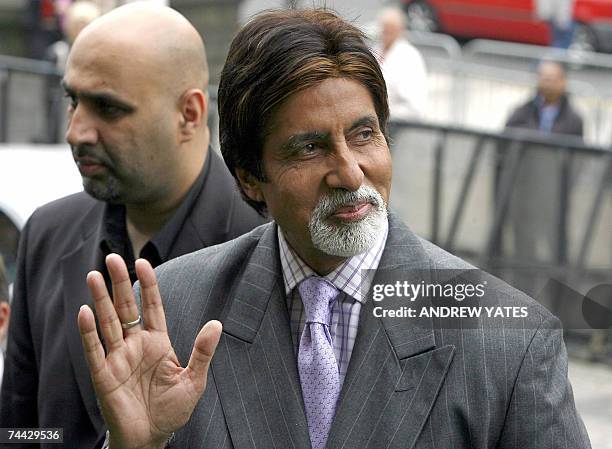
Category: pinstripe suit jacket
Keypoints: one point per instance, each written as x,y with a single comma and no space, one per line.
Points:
406,387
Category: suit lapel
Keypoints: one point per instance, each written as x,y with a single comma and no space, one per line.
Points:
209,220
393,380
75,266
396,370
254,367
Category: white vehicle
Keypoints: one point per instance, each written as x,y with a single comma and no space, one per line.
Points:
30,176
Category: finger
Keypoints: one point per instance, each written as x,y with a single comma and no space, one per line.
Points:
152,307
203,351
94,352
107,317
123,295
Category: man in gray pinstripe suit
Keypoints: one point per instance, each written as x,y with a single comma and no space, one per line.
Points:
303,113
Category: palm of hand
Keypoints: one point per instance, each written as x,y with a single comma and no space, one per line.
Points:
145,379
144,393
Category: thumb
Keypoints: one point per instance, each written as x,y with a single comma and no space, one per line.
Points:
203,351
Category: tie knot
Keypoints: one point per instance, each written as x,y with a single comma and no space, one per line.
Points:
317,294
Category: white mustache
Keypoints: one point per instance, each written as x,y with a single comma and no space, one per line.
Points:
336,199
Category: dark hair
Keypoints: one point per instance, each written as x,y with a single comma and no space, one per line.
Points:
274,56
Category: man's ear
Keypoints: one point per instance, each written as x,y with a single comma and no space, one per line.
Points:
251,186
193,113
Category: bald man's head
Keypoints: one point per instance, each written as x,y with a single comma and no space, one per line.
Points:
137,79
551,81
392,23
78,16
157,38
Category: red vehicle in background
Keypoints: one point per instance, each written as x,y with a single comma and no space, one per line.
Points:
510,20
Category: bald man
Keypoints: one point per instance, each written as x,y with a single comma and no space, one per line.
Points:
402,65
136,79
534,206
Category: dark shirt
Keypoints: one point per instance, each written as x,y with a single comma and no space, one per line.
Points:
157,250
560,120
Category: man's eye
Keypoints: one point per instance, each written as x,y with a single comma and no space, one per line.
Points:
303,149
109,110
365,134
73,102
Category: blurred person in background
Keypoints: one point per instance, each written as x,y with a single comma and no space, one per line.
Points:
559,14
42,27
402,65
5,314
107,5
77,16
534,207
153,189
550,110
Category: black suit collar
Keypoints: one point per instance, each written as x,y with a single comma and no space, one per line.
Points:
210,219
75,265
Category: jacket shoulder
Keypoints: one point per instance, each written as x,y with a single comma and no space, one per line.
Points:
212,260
521,115
64,210
202,283
63,217
232,216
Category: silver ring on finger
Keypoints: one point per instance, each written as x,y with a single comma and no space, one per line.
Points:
131,324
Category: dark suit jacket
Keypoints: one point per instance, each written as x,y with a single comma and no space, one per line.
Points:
534,207
407,386
527,116
46,381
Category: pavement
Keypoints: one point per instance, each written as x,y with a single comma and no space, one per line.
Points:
592,385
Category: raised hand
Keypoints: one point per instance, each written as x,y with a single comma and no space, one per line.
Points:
144,393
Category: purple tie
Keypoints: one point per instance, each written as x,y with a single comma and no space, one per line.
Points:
316,360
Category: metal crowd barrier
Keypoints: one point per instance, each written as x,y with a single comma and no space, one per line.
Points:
481,83
439,169
478,85
436,44
577,61
32,103
460,188
28,93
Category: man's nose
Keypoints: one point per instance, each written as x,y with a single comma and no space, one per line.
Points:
81,128
346,172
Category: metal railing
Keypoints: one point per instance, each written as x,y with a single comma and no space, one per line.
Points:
532,54
27,100
453,163
459,188
480,84
436,44
32,103
466,88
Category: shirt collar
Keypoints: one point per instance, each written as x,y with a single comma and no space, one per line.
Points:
347,277
114,234
540,104
165,238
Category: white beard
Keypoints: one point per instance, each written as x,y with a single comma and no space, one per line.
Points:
351,238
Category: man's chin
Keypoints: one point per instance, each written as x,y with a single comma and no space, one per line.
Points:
348,238
101,191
